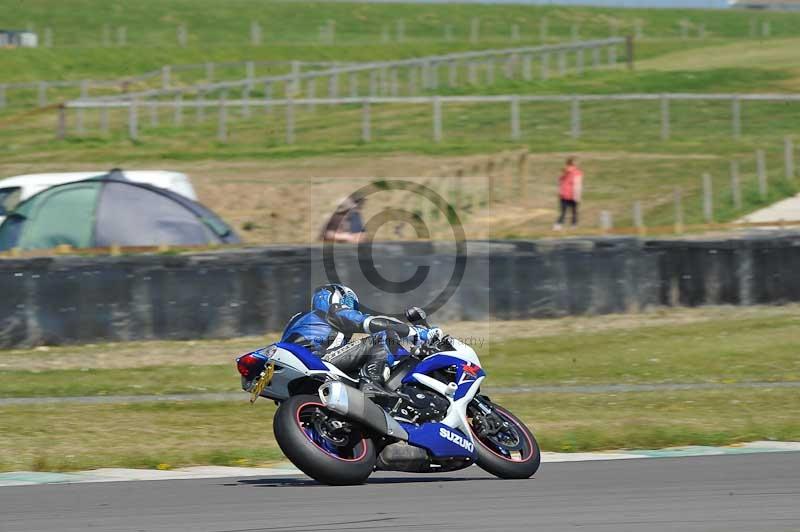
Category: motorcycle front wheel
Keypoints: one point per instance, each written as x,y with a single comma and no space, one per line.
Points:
506,448
323,445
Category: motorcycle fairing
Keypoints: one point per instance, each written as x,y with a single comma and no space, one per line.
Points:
429,436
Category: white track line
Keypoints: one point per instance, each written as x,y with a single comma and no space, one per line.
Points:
27,478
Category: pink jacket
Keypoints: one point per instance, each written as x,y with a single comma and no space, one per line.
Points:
570,184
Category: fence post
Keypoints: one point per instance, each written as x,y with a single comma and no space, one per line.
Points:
524,169
289,121
629,51
579,61
48,38
606,222
788,157
61,126
434,75
437,119
210,71
268,97
595,57
766,28
490,71
401,30
543,29
515,133
255,33
575,33
353,77
178,115
333,86
394,82
612,55
448,33
638,29
736,190
545,65
246,101
295,77
122,36
42,96
200,110
736,117
474,30
678,212
708,205
183,35
562,63
452,74
311,93
104,119
373,83
106,35
527,71
761,166
664,117
472,72
222,126
412,80
133,120
166,72
508,67
366,126
250,72
515,32
638,219
575,118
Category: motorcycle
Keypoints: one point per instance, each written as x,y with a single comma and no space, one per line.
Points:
435,419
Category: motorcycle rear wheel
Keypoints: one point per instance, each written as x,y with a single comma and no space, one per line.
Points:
321,444
512,452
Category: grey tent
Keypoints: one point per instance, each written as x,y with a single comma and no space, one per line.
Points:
109,210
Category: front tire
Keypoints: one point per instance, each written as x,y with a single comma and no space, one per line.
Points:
506,448
322,445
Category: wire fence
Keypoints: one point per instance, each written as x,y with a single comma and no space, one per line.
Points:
430,109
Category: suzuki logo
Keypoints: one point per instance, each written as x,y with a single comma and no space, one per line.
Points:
458,440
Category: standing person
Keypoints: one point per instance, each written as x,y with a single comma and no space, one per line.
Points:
570,189
346,224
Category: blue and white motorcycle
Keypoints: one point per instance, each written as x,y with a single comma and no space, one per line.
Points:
436,420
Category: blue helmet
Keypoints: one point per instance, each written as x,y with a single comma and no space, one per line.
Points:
330,294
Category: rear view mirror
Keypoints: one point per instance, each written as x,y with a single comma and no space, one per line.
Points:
416,315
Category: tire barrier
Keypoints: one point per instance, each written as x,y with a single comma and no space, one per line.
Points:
220,294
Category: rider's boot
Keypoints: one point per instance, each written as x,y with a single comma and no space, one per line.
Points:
373,377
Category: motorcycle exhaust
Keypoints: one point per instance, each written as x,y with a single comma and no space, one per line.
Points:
353,404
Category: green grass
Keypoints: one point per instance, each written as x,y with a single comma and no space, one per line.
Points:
718,350
70,437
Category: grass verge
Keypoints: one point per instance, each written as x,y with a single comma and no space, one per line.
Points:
73,437
727,348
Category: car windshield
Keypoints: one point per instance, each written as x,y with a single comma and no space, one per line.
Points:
9,199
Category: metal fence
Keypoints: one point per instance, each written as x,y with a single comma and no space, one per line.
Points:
417,73
435,104
41,93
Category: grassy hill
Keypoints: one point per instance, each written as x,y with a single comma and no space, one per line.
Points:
620,146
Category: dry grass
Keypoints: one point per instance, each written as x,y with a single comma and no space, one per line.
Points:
221,352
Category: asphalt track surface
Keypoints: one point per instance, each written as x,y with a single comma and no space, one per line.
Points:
719,493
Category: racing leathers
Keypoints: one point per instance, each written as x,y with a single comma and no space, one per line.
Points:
327,333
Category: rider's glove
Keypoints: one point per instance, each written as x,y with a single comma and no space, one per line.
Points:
428,336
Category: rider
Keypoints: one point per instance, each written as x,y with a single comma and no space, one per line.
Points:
333,319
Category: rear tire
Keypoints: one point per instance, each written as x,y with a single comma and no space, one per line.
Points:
491,457
321,457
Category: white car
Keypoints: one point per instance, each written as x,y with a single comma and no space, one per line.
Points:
17,189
